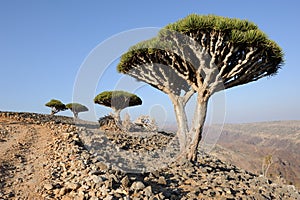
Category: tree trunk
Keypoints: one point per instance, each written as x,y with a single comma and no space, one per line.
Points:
117,117
75,115
182,123
53,111
197,128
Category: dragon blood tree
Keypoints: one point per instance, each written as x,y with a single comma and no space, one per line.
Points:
117,100
56,106
76,108
201,55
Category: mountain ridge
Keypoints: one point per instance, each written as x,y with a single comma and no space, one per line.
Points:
247,144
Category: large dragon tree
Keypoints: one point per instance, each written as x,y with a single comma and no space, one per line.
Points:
202,55
117,100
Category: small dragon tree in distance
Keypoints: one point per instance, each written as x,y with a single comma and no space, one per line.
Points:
203,55
117,100
76,108
56,106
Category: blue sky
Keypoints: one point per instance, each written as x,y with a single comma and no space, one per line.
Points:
43,45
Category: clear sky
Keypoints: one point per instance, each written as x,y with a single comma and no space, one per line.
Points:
43,44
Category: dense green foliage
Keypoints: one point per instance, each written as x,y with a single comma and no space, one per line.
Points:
76,107
58,105
117,99
236,32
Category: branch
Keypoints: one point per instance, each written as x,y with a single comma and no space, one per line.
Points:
255,72
187,96
219,44
234,71
202,40
225,62
212,43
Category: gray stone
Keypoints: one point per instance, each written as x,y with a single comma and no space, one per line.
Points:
108,197
72,186
48,186
108,183
97,179
62,191
102,166
125,181
161,180
137,185
148,191
227,190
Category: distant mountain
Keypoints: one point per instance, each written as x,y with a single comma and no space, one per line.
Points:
246,146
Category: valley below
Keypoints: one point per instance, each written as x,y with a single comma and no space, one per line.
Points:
248,145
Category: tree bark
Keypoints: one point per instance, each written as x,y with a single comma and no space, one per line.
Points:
117,113
197,128
182,123
75,115
53,111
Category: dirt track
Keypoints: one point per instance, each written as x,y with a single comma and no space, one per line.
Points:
22,155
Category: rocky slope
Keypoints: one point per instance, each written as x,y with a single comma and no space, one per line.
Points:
246,146
43,157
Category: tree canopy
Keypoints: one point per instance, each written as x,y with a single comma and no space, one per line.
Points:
117,99
56,106
203,55
76,108
240,51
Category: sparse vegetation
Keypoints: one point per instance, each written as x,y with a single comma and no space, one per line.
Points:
202,55
56,106
267,162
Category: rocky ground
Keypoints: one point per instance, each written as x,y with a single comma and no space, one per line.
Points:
47,157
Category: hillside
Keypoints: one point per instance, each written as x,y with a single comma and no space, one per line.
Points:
246,146
43,157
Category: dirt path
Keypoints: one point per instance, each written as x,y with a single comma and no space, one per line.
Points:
22,154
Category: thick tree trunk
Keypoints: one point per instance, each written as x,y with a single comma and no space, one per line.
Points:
117,113
182,123
197,128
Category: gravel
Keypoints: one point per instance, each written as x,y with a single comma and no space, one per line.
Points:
76,170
